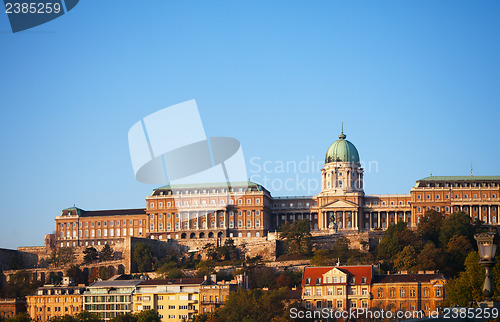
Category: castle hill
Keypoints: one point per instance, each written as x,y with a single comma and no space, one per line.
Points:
223,251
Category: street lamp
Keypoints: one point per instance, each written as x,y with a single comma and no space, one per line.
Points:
486,242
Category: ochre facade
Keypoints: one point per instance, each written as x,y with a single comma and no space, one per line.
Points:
247,209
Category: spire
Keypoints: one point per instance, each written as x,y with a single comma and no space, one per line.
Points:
342,135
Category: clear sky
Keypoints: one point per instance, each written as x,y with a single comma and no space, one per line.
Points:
416,84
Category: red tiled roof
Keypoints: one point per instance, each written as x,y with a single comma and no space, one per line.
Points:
358,272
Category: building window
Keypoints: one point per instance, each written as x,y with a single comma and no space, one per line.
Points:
231,224
380,293
257,223
249,223
426,292
152,227
402,292
240,224
412,292
308,281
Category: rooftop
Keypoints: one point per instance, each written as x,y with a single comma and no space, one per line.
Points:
406,278
352,271
180,281
213,185
461,178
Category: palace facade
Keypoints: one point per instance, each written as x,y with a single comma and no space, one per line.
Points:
247,209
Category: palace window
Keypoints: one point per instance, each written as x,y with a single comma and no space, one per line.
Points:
257,223
231,224
380,293
240,224
249,223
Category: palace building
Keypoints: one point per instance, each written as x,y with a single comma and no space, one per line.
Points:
248,210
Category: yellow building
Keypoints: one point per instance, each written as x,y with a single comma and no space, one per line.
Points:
50,301
110,298
173,299
424,291
337,288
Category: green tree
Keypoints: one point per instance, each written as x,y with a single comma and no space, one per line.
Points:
395,239
106,253
254,305
21,284
457,250
148,316
66,255
64,318
431,258
104,273
128,317
467,286
297,236
320,258
86,316
429,226
76,274
143,257
175,273
22,317
340,249
90,255
205,268
54,278
456,224
289,278
406,259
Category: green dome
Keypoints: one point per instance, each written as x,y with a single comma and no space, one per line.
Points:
342,151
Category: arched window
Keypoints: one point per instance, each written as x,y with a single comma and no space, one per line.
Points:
257,223
231,224
249,223
240,224
340,184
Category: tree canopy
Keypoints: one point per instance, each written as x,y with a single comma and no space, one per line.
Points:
297,236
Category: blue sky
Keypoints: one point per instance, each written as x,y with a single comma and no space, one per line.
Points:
415,83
